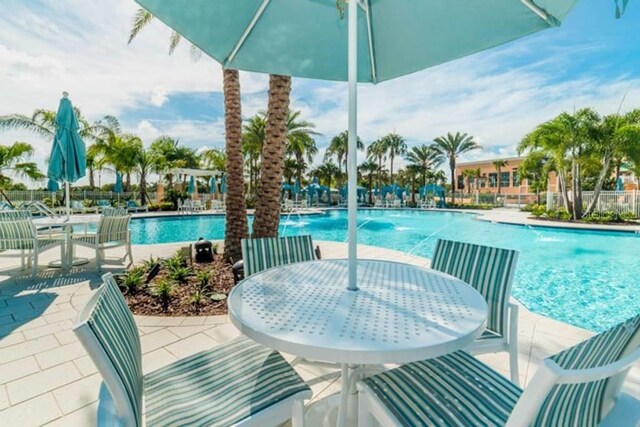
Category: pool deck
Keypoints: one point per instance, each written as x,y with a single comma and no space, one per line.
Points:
46,378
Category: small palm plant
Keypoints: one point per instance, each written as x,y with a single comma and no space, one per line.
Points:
180,274
164,289
133,279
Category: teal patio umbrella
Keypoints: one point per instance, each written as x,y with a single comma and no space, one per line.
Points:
296,189
364,41
192,185
52,186
223,185
68,159
213,185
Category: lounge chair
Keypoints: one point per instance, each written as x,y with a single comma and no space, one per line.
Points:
198,206
239,383
185,206
113,232
103,204
18,234
490,271
580,386
133,206
216,205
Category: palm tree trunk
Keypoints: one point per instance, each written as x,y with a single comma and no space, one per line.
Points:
596,191
91,179
452,165
143,189
267,215
371,188
391,170
499,183
236,227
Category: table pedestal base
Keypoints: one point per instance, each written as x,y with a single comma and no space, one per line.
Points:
324,412
74,263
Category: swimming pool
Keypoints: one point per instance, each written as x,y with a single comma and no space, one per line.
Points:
589,279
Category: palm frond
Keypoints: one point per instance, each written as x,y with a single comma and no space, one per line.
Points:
174,41
21,122
141,19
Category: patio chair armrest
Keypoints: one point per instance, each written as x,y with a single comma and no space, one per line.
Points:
573,376
513,310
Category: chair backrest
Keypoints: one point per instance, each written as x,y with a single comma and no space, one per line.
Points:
487,269
103,203
108,332
261,254
76,204
17,230
132,204
578,386
113,228
114,212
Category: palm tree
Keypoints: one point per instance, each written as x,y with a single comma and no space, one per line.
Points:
535,169
145,163
267,213
300,142
13,160
377,151
339,147
213,158
394,145
468,174
42,123
252,141
370,168
326,172
236,214
499,164
426,157
449,147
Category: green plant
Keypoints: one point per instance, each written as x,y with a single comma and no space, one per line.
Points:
627,216
196,300
527,208
164,290
147,264
563,214
203,277
538,210
166,206
175,261
180,274
133,279
87,203
552,214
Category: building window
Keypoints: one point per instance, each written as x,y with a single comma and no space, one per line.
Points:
504,179
483,181
515,177
460,182
493,180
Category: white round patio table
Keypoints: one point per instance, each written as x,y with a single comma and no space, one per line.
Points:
67,223
399,314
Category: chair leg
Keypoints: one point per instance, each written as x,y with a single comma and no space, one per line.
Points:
34,268
365,418
513,344
98,254
297,418
130,254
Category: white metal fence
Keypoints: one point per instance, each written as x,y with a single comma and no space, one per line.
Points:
39,195
508,200
610,201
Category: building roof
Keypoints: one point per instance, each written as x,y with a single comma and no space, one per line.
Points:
489,161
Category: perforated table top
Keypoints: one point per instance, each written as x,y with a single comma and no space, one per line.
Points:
401,313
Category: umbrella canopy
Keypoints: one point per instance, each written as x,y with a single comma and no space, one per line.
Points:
213,185
68,159
296,187
223,184
380,40
117,187
620,184
52,186
192,185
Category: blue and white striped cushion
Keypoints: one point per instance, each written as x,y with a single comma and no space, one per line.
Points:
113,228
264,253
453,390
582,404
113,325
220,387
16,230
489,270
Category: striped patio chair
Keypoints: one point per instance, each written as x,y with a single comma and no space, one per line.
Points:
578,387
18,234
261,254
239,383
113,232
490,271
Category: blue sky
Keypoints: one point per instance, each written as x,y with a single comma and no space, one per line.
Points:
497,96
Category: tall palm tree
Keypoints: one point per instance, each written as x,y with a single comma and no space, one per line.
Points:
267,213
426,157
213,158
370,168
236,214
449,147
13,160
394,145
377,151
325,172
145,163
252,141
339,148
300,142
42,123
499,164
410,173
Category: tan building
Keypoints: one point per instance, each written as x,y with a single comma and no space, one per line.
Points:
510,182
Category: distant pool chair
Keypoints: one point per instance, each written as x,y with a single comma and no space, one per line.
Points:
19,234
239,383
133,206
580,386
113,232
103,204
490,271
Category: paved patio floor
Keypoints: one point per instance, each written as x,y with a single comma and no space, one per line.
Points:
47,379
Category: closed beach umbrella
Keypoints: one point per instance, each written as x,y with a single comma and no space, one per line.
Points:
362,41
117,187
296,188
213,185
192,185
223,184
68,159
52,186
620,184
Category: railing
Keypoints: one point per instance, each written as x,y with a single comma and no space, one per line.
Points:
40,195
612,201
508,200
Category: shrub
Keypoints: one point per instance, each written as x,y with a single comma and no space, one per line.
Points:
133,279
180,274
164,290
552,214
87,203
166,206
538,210
563,214
176,261
527,208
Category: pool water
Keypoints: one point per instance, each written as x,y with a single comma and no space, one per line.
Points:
586,278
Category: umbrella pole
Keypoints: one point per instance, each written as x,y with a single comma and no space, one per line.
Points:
353,138
68,199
